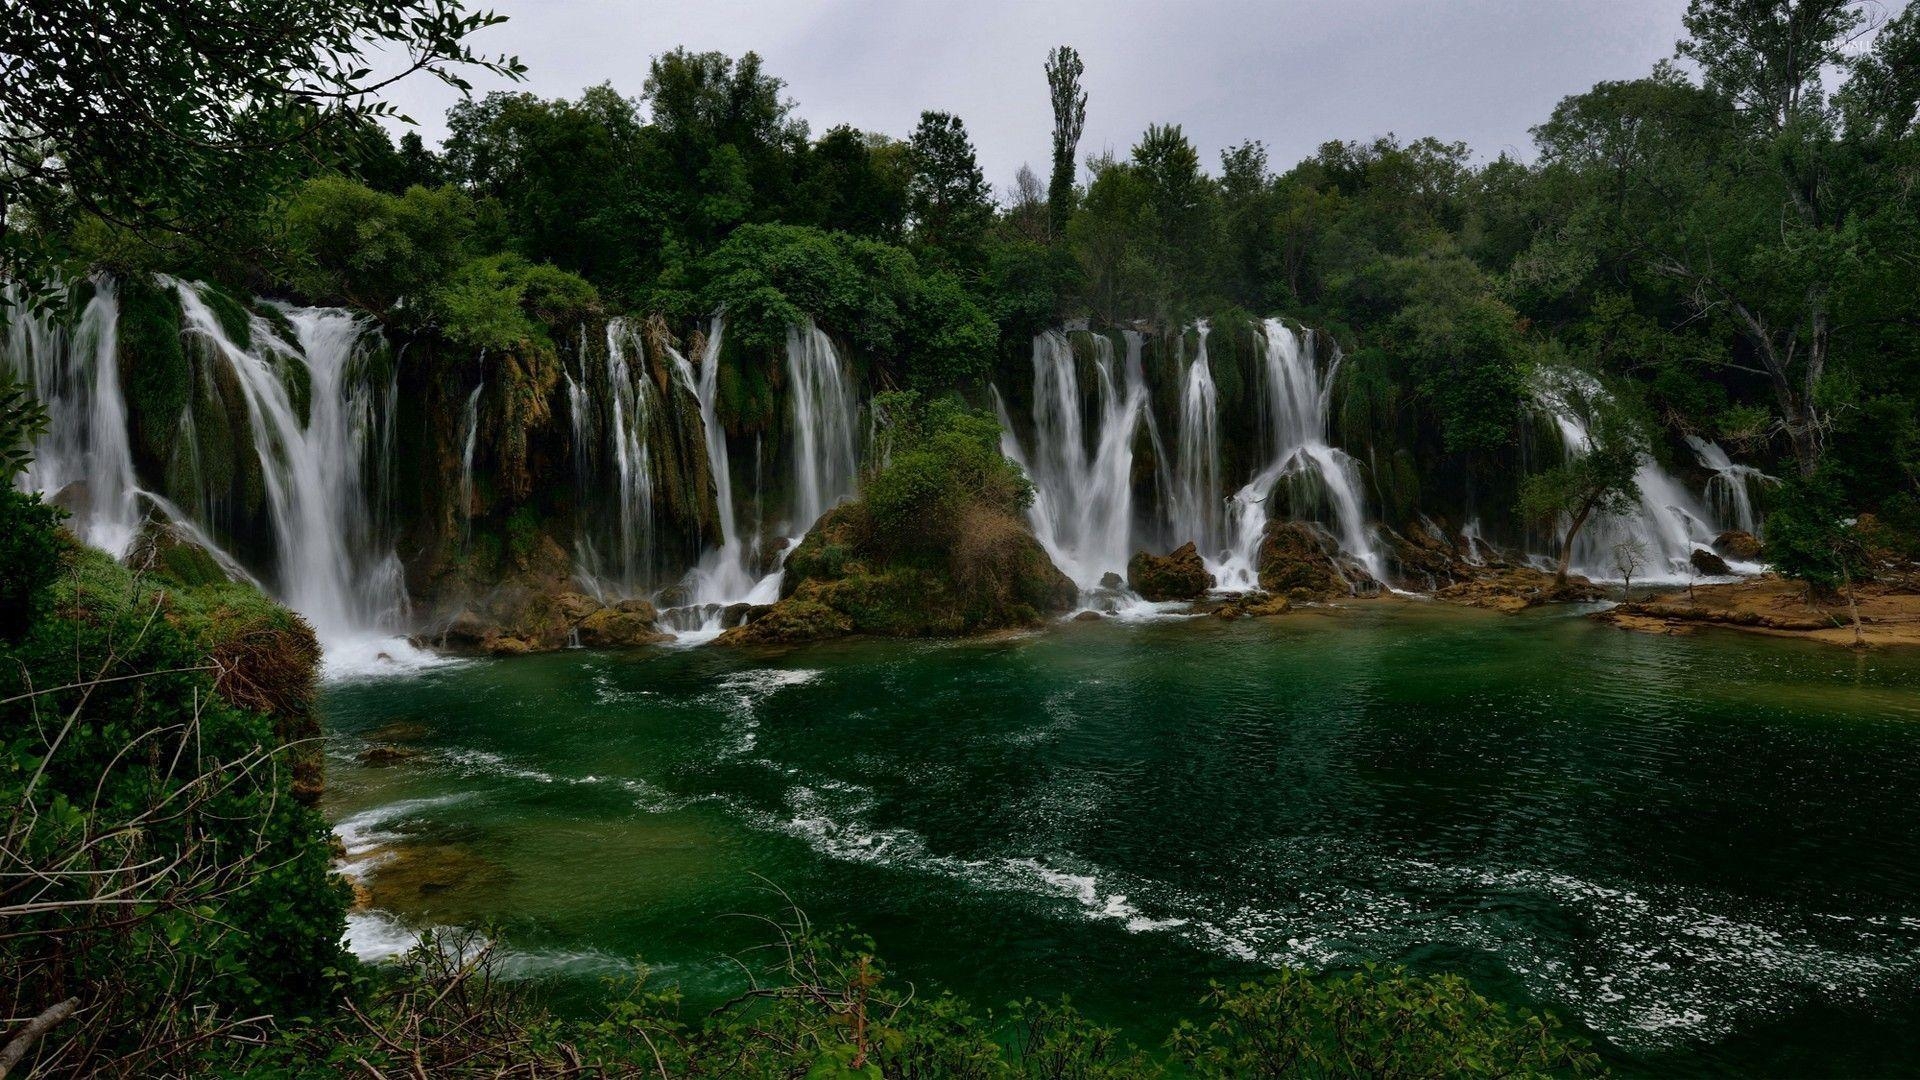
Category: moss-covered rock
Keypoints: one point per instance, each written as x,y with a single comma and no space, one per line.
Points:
1178,575
154,372
612,628
994,576
1303,561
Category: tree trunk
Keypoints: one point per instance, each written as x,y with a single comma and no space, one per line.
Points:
1566,545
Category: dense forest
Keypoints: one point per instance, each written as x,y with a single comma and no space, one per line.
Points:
605,369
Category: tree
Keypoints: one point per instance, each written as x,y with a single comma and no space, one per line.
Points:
948,198
1811,536
1179,202
1600,481
176,117
1629,555
1027,207
1746,191
1069,121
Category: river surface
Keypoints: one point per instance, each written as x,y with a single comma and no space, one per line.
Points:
1702,851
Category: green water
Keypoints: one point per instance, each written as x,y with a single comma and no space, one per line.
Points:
1703,851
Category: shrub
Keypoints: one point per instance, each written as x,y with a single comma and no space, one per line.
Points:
158,868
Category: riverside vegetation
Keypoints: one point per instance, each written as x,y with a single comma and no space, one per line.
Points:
611,370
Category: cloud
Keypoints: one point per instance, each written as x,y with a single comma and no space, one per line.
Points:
1292,73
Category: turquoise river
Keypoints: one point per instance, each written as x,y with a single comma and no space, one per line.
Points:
1703,852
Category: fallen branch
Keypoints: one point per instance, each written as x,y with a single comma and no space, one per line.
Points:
18,1046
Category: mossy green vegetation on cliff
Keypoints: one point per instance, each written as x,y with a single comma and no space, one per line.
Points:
935,546
160,861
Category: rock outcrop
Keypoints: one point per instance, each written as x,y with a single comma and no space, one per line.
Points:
1707,564
1515,588
1734,544
1301,560
1178,575
1253,606
840,581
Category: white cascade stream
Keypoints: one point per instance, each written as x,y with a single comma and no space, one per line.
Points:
334,563
1082,510
823,431
1667,519
1196,512
75,374
1295,403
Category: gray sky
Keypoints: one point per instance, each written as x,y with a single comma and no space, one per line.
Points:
1293,73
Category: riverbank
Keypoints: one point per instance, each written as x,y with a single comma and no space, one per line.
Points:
1889,614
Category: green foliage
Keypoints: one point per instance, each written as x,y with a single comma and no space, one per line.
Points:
1378,1023
924,326
1064,68
22,420
948,198
29,559
412,259
134,777
349,242
1811,536
209,120
155,373
931,460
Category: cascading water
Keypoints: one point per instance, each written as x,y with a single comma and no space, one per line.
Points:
469,440
1730,486
825,414
333,567
1296,401
1196,510
76,374
1082,511
1666,521
319,420
823,427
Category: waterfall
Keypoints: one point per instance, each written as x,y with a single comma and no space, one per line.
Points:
725,574
469,439
320,424
332,565
1082,510
823,430
1666,520
85,459
825,418
1196,509
1323,481
1730,486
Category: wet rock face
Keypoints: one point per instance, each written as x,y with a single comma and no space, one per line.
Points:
1515,588
1707,564
612,628
1254,606
513,621
1735,544
1302,560
1179,575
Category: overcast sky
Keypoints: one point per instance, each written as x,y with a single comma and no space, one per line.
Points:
1292,73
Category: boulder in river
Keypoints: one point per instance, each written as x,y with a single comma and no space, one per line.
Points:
1707,564
1302,560
1179,575
1735,544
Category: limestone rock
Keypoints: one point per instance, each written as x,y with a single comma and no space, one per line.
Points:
1708,564
1302,560
613,628
638,606
1735,544
1179,575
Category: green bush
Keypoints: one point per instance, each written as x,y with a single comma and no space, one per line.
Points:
136,781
